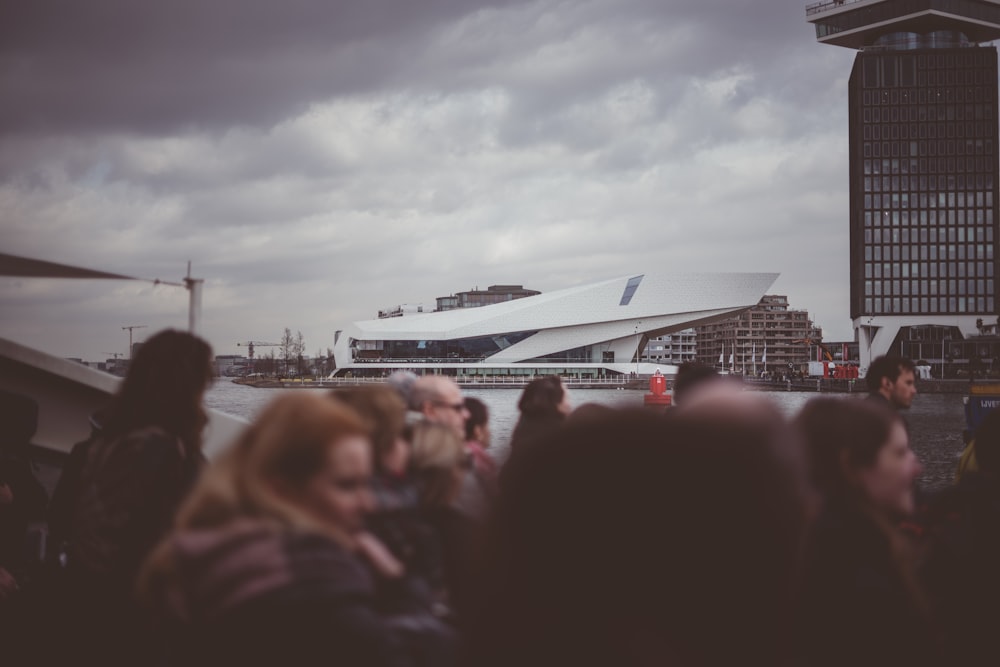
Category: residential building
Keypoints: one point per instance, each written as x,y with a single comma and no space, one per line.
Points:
476,297
770,336
675,348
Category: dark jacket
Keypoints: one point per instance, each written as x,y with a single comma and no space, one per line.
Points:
530,428
961,569
27,506
856,606
433,543
253,594
129,491
27,496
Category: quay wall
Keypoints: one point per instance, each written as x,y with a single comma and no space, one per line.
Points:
825,385
822,385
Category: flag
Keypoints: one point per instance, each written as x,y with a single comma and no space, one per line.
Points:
753,353
730,358
721,352
763,357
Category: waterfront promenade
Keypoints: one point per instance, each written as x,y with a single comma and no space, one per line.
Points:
473,382
807,384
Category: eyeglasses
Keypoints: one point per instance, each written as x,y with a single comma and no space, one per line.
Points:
457,407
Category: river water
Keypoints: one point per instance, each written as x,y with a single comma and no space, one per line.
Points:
936,420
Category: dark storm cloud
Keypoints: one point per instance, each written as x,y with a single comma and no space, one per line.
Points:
317,161
157,66
145,67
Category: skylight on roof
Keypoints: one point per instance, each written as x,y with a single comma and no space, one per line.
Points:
630,287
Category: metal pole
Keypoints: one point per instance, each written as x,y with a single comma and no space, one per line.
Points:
194,286
637,345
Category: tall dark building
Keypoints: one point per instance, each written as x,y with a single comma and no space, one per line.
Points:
923,164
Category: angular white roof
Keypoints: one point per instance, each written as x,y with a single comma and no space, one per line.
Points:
578,316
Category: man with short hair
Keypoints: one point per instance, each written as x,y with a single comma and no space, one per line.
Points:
891,379
439,399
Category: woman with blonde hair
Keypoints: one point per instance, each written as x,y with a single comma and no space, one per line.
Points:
439,464
439,461
264,565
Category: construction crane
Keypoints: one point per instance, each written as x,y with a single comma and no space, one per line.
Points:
250,344
134,326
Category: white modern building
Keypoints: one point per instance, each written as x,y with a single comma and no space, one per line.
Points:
591,331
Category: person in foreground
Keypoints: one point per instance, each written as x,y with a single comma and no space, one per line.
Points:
630,538
268,563
860,602
135,475
962,551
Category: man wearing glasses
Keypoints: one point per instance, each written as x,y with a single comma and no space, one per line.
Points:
439,399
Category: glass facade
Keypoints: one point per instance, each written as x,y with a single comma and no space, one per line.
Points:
459,350
923,142
906,13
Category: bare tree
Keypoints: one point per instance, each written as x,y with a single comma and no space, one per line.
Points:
299,349
287,348
265,365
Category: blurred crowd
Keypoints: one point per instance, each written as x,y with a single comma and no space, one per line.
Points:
370,525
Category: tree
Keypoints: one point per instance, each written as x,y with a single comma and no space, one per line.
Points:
265,365
299,347
287,348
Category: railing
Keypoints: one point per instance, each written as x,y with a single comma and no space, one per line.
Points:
820,7
524,379
467,380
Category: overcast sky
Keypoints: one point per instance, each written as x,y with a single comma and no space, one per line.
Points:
318,160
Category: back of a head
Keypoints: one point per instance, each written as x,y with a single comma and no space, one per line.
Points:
402,382
681,528
479,416
888,366
838,432
164,387
286,444
689,375
541,397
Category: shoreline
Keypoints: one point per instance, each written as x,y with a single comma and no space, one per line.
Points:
817,385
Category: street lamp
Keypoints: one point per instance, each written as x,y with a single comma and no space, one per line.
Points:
944,339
